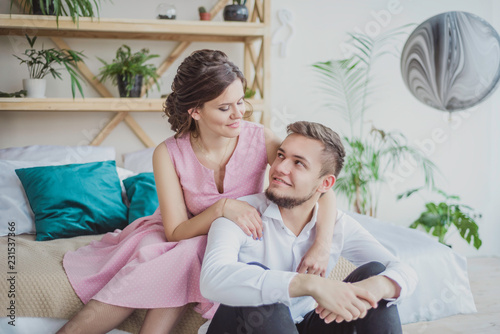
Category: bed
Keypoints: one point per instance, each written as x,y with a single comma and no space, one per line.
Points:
38,295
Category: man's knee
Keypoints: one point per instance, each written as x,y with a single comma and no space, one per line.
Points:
365,271
265,319
382,319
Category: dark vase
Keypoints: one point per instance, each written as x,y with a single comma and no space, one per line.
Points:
37,8
235,13
136,90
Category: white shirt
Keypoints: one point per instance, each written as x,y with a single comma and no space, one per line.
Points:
226,278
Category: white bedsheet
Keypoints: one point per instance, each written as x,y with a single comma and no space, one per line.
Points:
443,289
37,325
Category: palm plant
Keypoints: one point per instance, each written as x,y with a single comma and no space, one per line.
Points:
73,8
346,86
41,63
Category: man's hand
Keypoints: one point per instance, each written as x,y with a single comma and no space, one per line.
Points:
341,299
380,287
315,261
329,316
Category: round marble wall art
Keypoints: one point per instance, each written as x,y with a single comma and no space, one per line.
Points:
452,61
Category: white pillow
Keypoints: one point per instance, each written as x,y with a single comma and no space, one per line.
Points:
61,155
122,175
139,161
443,287
14,205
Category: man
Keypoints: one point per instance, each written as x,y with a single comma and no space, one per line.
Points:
256,281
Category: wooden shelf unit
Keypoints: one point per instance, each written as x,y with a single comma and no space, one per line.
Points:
198,31
255,36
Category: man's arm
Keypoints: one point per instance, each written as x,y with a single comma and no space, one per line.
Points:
225,280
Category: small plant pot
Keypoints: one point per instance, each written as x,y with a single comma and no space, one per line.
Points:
205,16
235,13
35,88
37,8
136,90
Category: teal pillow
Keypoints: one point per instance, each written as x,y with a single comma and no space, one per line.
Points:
73,200
141,193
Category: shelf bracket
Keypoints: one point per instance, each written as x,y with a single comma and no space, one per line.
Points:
104,92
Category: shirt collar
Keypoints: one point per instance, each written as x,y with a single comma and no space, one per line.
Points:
273,212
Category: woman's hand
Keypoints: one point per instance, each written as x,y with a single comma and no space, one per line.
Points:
245,216
315,261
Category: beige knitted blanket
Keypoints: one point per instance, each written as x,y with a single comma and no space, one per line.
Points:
38,285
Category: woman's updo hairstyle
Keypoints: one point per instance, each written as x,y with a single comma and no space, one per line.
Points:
201,77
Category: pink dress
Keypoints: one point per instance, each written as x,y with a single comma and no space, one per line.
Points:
137,267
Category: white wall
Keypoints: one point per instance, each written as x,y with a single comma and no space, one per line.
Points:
468,158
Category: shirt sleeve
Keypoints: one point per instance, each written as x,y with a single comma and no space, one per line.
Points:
225,280
361,247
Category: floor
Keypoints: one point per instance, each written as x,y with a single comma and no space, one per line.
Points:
484,276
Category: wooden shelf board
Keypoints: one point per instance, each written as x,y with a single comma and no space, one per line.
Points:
80,104
91,104
131,28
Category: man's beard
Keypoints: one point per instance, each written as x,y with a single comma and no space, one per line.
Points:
287,202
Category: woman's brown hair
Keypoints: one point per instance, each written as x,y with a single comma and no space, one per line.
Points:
201,77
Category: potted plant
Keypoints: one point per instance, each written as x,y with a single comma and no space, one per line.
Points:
236,12
439,217
41,63
129,70
372,155
204,16
73,8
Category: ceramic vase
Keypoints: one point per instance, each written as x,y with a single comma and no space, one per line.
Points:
35,88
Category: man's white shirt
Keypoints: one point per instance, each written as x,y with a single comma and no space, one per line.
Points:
228,279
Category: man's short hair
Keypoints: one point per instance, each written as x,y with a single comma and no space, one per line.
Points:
333,150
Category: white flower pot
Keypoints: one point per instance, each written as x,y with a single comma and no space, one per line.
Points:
35,87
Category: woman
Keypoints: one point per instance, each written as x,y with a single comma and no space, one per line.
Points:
213,158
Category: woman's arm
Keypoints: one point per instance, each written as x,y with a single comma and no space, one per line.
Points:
273,142
173,208
315,261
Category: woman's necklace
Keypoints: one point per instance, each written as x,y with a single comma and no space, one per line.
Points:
207,157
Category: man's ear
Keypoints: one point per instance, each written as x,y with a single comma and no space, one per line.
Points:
195,113
327,183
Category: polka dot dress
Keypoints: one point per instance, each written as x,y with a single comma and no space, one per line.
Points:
136,267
